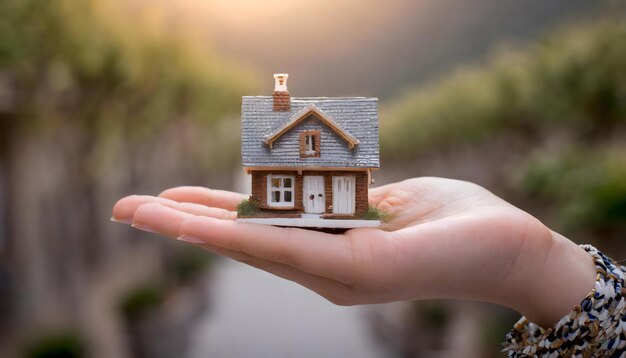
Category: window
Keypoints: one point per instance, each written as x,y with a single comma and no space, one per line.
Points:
280,190
309,148
310,144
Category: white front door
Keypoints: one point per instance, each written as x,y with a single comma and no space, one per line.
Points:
343,195
313,194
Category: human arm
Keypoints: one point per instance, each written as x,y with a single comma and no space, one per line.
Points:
445,239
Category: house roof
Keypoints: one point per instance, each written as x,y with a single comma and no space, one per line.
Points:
350,142
304,113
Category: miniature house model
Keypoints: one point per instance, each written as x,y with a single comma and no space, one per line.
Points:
310,158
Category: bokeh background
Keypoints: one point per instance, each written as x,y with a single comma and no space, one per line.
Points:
100,99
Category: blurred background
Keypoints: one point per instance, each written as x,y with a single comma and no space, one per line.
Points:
101,99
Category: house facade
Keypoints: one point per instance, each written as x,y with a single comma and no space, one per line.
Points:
309,157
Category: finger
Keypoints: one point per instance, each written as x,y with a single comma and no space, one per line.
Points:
314,252
415,187
310,251
201,210
377,194
334,291
210,197
125,208
160,219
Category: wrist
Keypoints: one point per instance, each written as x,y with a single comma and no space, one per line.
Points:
552,283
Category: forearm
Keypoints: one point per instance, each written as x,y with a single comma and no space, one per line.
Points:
592,328
550,285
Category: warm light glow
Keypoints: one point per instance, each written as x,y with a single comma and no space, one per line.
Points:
335,47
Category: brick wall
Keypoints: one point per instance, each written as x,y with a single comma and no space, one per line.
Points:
259,188
361,199
328,192
282,101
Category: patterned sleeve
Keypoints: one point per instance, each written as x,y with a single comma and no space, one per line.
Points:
595,328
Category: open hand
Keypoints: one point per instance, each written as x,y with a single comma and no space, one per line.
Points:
444,239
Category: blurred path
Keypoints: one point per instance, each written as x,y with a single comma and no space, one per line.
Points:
254,314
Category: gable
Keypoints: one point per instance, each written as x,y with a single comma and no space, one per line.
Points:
291,143
310,111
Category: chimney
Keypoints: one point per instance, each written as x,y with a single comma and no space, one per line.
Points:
282,101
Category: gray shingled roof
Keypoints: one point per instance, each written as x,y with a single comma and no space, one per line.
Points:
357,115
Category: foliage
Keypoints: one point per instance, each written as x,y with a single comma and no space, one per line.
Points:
574,81
587,186
432,314
374,213
493,327
141,301
248,207
563,98
102,67
189,263
61,344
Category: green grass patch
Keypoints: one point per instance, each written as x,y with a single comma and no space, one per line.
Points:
373,213
248,207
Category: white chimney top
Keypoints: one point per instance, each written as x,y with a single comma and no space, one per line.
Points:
280,82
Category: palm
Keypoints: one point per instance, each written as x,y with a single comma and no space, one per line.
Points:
455,240
415,201
444,238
